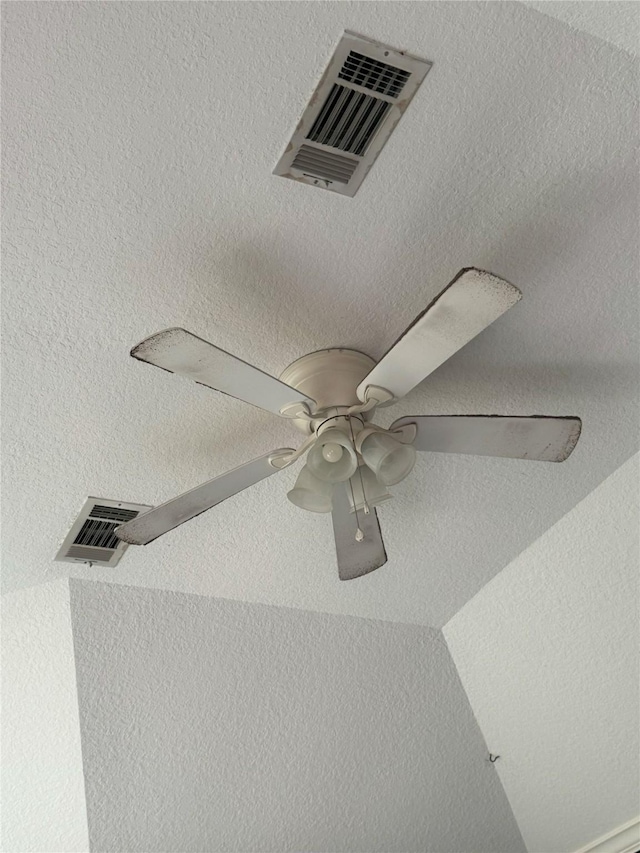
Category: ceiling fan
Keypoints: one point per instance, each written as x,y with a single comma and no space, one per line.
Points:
330,395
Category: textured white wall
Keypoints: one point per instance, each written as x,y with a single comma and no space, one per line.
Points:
43,802
212,725
548,654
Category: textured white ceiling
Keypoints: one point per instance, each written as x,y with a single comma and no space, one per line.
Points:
616,21
548,653
139,143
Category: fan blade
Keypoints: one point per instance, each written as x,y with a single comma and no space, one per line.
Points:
178,351
470,303
355,558
542,438
148,526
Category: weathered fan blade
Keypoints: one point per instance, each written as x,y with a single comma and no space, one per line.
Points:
355,558
470,303
178,351
542,438
148,526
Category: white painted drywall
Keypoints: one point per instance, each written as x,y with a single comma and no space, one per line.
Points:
548,654
43,802
212,725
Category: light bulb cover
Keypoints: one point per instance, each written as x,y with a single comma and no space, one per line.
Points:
332,452
389,459
310,493
342,468
374,492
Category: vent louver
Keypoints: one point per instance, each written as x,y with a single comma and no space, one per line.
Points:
372,74
348,120
113,513
357,104
324,164
97,534
89,555
92,539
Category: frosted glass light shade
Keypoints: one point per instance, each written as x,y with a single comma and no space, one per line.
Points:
374,491
388,458
345,464
310,493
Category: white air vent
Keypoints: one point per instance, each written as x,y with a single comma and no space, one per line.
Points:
348,120
324,164
91,539
360,99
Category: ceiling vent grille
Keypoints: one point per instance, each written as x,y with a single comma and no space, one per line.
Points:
372,74
360,99
348,120
91,538
114,513
324,164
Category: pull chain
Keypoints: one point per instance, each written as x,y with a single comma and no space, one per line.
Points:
365,507
359,533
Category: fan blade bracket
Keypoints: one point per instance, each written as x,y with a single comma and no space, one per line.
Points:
281,459
406,433
298,410
379,396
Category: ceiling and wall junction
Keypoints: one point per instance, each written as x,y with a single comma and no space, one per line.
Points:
139,144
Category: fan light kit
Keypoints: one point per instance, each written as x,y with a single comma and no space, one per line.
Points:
331,396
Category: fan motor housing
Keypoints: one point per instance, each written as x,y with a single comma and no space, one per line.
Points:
330,377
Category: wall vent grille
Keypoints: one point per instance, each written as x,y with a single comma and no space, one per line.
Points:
355,107
92,539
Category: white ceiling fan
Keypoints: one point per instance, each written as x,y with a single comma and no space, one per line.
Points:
330,395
